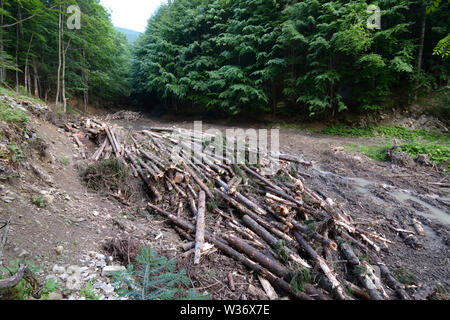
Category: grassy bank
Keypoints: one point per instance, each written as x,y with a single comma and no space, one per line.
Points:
414,142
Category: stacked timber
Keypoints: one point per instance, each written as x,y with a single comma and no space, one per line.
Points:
272,223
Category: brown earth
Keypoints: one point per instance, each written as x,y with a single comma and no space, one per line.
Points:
81,220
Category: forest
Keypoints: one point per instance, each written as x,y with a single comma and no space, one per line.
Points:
312,57
315,57
41,56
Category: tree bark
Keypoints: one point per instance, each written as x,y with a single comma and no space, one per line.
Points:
64,77
329,273
11,282
36,79
200,234
421,46
272,265
2,47
58,88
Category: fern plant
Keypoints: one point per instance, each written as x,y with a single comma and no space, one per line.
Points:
154,278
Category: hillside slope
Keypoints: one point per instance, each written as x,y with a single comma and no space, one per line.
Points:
131,35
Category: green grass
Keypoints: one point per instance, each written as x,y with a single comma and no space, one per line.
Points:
22,95
397,132
342,131
65,161
89,292
16,154
439,153
10,115
414,142
375,152
40,201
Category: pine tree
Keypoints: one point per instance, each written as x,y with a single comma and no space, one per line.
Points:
154,278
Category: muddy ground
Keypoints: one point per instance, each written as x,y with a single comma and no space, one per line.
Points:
379,196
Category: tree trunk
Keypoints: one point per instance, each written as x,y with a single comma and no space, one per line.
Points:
200,234
2,47
421,46
19,17
221,244
36,79
27,77
59,59
63,89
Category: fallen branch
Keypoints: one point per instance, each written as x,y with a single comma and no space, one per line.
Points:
200,234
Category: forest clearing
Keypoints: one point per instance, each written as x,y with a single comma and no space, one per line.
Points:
234,151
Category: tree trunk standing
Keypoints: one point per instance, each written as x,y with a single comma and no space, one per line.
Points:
19,17
64,77
27,77
86,83
36,78
59,58
421,46
2,48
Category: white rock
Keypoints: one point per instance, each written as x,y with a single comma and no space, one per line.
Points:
73,283
108,289
58,270
59,250
100,256
99,285
55,296
108,270
64,276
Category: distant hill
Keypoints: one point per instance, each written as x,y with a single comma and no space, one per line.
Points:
130,34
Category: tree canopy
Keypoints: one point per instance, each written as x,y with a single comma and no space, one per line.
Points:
97,57
285,57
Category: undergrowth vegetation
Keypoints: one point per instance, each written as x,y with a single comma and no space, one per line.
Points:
11,115
21,94
397,132
23,290
105,176
414,142
154,278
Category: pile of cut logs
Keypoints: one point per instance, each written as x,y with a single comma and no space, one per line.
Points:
124,115
273,224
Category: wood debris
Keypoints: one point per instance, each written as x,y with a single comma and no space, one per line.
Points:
274,226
